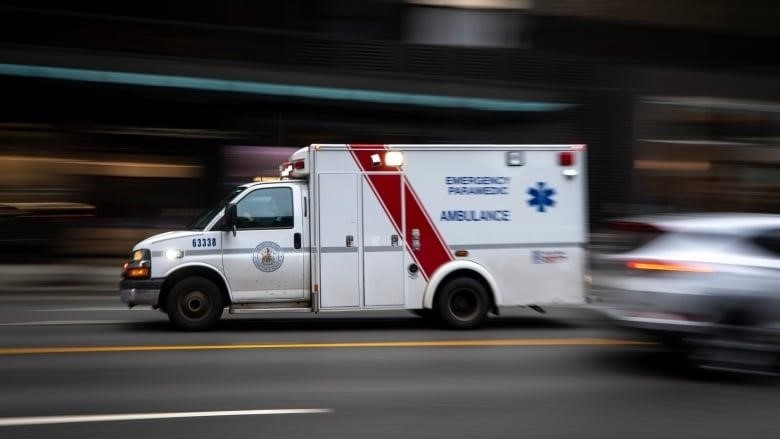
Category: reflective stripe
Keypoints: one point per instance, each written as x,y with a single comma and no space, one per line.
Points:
215,251
231,251
234,251
383,248
338,249
511,246
190,252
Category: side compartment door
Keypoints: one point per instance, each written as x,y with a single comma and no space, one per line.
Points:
339,240
383,245
265,260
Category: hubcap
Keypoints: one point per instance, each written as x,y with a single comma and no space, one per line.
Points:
194,305
464,304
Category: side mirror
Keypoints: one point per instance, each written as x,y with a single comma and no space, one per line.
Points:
230,218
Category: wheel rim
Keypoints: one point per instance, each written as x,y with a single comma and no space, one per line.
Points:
464,304
194,305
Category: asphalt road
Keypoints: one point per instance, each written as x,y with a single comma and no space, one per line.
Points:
85,367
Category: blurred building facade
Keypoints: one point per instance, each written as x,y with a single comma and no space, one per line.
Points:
120,118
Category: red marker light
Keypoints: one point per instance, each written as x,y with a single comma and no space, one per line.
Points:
565,158
299,164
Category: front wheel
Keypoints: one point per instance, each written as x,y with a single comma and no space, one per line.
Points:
462,303
194,304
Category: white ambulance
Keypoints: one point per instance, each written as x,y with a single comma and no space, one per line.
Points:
451,231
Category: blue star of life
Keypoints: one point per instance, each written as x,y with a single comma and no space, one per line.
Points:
541,196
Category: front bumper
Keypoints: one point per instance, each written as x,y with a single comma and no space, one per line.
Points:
140,292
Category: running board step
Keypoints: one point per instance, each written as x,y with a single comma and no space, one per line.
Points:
245,308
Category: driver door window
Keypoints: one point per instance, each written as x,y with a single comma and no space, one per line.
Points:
270,208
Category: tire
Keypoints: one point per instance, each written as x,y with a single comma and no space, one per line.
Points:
194,304
462,303
748,343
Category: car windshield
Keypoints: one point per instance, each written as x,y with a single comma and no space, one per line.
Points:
205,218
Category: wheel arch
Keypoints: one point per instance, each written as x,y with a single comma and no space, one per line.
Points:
193,270
457,269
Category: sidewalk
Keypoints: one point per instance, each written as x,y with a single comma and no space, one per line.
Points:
72,278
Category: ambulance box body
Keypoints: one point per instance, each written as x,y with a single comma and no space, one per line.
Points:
451,231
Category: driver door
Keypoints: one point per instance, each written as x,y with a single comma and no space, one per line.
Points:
264,261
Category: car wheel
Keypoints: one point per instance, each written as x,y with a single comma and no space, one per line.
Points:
747,344
194,304
462,303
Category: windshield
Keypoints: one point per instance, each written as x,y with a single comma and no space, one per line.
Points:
205,218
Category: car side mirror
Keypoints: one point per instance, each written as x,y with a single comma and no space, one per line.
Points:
230,218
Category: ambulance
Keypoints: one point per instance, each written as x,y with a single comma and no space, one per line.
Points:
452,232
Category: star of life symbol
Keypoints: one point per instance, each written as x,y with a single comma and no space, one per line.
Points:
541,196
268,256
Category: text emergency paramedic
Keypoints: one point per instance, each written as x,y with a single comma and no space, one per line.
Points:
484,185
478,185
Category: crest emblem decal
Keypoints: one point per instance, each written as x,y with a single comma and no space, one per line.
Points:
268,256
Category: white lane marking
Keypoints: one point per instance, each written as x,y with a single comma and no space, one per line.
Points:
43,420
91,308
60,297
70,322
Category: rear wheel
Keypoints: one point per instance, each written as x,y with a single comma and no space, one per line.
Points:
746,341
462,303
194,304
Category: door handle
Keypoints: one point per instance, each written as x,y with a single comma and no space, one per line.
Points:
297,240
350,240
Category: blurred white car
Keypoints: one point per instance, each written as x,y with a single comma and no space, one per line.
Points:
706,283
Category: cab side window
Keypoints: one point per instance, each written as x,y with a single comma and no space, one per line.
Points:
269,208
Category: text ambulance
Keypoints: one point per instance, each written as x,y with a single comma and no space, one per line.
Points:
455,231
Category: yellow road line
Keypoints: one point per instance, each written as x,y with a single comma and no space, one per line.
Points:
369,344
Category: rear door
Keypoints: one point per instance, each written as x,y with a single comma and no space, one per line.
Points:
383,246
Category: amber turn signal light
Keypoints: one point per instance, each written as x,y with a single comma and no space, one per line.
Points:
137,273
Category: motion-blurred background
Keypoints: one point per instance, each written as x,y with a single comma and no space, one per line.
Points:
121,119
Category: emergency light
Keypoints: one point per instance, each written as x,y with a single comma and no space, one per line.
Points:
394,158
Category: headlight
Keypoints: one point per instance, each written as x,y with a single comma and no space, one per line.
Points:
139,255
139,266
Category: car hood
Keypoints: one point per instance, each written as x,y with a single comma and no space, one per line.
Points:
155,240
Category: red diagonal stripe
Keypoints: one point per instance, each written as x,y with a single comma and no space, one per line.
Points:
386,187
433,251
